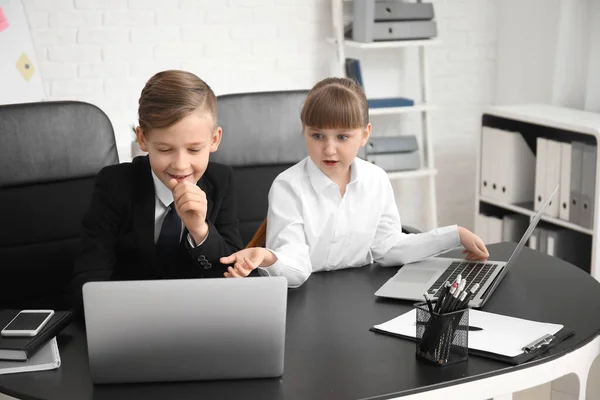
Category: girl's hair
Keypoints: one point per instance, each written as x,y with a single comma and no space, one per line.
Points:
335,103
169,96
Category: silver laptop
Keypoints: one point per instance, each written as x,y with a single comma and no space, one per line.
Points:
429,276
187,329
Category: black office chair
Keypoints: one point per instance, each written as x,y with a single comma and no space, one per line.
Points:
262,137
50,154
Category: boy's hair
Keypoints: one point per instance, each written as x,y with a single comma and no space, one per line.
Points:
169,96
335,103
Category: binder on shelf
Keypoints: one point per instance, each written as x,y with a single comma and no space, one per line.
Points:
565,181
402,11
376,21
543,240
513,227
391,144
507,166
588,186
494,229
486,164
558,243
363,17
516,166
503,338
534,239
392,153
552,169
389,102
481,227
540,172
395,162
568,245
404,30
496,174
576,168
353,71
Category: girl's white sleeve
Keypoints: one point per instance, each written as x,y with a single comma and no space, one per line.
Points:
285,235
392,247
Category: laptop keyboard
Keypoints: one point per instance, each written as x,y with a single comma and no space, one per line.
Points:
473,272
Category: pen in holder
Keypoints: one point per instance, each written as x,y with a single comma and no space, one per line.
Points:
442,339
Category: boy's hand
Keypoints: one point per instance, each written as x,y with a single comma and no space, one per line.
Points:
191,205
475,249
247,260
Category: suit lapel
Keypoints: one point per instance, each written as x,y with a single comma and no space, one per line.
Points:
143,216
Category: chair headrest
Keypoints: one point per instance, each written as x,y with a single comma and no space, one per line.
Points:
50,141
261,128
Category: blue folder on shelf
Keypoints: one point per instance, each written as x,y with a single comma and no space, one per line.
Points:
353,72
390,102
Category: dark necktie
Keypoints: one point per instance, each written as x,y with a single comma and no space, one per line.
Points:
170,233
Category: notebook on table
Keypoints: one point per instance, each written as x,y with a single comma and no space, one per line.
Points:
503,338
22,348
44,359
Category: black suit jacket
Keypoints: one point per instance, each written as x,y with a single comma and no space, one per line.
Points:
118,229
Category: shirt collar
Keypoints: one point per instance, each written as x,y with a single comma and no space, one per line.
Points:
320,181
163,193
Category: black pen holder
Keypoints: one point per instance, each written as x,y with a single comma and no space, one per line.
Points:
442,339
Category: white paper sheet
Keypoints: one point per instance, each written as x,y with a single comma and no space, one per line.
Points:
501,334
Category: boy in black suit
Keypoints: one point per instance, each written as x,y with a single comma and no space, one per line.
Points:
170,214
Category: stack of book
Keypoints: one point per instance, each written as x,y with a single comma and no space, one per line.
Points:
37,353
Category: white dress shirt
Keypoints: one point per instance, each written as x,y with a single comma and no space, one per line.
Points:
311,227
164,198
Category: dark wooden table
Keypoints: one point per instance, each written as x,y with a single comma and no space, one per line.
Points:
330,352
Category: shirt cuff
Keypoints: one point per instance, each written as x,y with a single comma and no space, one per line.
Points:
193,243
274,269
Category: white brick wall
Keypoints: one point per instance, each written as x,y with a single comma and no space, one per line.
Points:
462,83
102,51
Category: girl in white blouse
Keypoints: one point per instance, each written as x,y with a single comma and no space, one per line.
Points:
333,210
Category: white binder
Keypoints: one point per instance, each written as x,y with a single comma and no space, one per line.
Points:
513,227
552,168
515,167
565,181
481,227
507,166
534,239
542,240
540,172
494,229
487,162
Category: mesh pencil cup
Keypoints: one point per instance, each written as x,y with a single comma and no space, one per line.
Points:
442,339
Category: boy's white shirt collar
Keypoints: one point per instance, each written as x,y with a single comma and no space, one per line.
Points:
164,194
320,181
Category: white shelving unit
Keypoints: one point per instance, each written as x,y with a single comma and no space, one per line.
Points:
427,170
569,124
